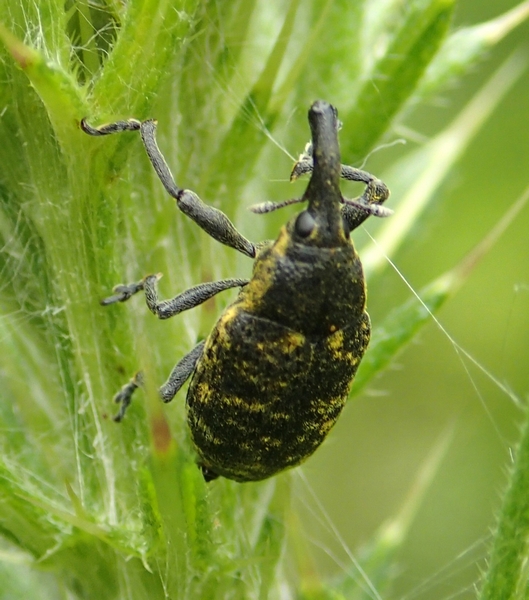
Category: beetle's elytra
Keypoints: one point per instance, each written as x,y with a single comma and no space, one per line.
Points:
272,377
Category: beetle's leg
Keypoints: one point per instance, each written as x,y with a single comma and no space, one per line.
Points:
181,373
354,213
208,473
376,190
165,309
128,125
123,292
305,164
124,396
192,297
169,308
375,193
213,221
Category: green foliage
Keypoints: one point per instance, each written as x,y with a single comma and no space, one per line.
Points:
121,511
507,574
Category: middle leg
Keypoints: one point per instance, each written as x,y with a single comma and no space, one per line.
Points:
164,310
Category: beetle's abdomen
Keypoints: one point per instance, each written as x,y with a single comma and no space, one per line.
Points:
263,397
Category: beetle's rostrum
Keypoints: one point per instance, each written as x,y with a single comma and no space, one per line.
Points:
272,377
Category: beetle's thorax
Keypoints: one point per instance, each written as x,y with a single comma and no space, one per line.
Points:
314,291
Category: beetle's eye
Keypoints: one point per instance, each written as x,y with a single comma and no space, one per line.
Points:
346,229
304,224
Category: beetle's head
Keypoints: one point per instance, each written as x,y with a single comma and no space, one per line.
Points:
321,224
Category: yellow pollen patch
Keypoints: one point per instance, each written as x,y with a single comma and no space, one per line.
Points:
238,402
335,342
326,426
282,243
279,416
202,394
229,314
208,434
293,340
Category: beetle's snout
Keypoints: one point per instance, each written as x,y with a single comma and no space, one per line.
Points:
323,192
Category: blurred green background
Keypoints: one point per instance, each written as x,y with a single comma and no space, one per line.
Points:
366,469
386,433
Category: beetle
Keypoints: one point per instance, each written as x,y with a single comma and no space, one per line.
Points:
272,377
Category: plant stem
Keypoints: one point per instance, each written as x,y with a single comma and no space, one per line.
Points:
507,577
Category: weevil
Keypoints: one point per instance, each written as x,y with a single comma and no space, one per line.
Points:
272,377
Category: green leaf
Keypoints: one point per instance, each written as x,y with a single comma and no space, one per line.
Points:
390,81
56,87
403,323
506,575
122,511
463,48
150,35
422,172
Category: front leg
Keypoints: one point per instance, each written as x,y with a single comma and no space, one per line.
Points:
376,190
369,203
213,221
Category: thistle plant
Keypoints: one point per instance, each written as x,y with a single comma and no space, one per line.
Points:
92,509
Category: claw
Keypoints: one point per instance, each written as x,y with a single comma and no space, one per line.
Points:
124,396
123,292
372,208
